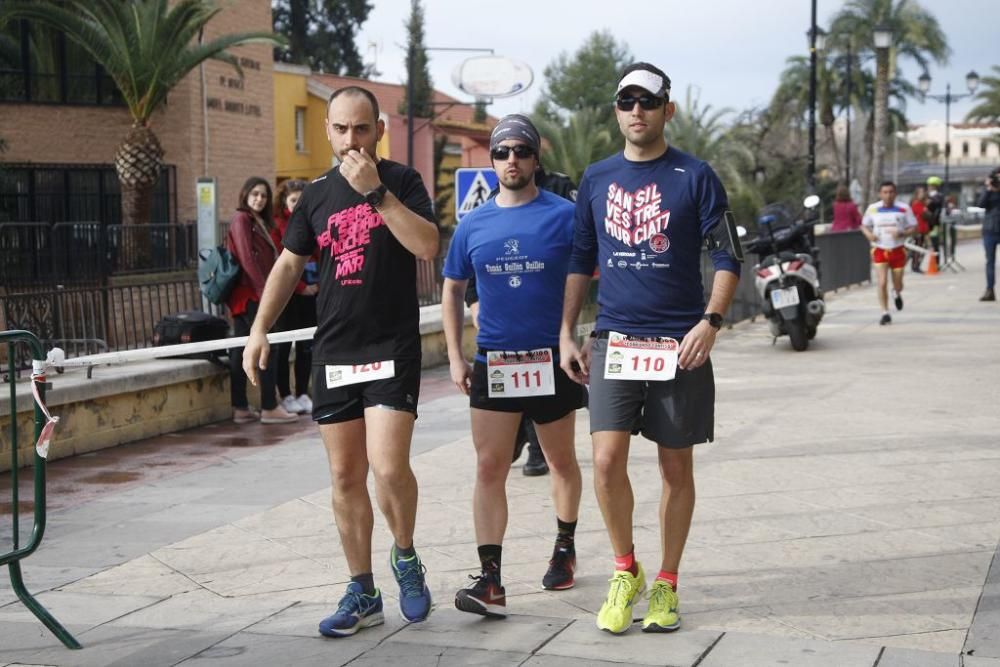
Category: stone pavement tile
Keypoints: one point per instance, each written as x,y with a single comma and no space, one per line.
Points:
38,578
754,505
977,661
740,620
562,661
111,646
143,576
20,641
98,548
904,657
984,633
917,515
292,519
451,628
745,650
944,641
248,649
967,536
201,609
302,620
555,604
80,609
582,639
219,550
421,655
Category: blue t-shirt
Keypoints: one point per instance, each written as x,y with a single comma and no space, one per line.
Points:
643,225
519,256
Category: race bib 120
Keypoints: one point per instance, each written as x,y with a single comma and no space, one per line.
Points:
340,376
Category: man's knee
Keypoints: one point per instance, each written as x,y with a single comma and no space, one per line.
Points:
348,476
609,464
392,474
677,468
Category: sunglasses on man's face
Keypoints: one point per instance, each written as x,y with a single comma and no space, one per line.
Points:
520,152
647,102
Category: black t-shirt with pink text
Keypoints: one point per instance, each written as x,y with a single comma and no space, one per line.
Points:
367,303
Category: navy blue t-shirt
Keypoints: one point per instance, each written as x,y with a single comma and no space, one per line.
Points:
519,256
643,225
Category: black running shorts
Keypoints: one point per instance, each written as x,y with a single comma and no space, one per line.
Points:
401,392
569,396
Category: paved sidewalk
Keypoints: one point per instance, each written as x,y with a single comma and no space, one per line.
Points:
848,515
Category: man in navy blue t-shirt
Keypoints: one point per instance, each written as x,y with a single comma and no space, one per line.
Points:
643,217
517,246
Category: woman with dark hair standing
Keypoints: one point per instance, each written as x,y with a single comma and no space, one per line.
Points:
300,313
251,241
845,212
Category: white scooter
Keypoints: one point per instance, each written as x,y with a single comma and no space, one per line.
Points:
787,276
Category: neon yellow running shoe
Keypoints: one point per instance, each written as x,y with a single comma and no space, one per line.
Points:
616,612
662,615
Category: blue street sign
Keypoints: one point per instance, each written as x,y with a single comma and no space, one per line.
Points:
472,188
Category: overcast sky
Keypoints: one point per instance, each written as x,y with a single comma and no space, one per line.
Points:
732,50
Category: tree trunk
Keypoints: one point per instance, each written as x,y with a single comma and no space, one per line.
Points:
838,165
138,161
881,121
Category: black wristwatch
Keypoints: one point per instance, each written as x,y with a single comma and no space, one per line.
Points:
714,319
375,197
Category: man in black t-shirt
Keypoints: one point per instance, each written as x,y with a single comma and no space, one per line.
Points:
370,219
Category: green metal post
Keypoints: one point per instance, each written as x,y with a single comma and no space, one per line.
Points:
14,557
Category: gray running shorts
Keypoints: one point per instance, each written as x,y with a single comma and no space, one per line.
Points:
677,413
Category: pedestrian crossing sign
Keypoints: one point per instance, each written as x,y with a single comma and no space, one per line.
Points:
472,188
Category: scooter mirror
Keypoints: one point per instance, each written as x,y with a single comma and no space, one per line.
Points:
765,220
812,201
741,231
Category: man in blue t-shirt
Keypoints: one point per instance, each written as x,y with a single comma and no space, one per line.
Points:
517,246
643,217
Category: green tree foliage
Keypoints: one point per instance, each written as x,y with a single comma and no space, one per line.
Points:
916,35
146,47
321,34
573,145
586,79
416,62
707,134
988,108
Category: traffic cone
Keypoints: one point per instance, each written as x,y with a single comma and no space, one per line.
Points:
932,267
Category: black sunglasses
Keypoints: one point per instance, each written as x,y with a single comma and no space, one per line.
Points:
647,102
520,152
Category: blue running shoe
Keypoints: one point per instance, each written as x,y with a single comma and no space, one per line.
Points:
414,596
354,612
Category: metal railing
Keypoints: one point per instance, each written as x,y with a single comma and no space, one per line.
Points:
33,253
99,319
12,559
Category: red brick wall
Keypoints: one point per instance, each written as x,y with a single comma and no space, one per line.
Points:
240,144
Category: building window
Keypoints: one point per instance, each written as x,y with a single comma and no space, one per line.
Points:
982,148
40,65
300,130
75,193
935,150
965,149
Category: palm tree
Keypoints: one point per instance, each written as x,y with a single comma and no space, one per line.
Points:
792,95
988,109
916,35
146,48
573,146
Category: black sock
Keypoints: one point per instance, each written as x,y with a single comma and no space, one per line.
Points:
489,558
367,581
408,552
567,530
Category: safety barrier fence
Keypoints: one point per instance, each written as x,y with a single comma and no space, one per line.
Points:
18,552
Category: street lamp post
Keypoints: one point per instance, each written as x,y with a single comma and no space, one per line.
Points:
817,40
883,41
972,83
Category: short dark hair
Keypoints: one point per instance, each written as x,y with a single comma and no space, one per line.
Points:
354,90
891,184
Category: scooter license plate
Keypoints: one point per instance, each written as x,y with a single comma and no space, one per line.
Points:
782,298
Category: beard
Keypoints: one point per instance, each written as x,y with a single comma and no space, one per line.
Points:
515,182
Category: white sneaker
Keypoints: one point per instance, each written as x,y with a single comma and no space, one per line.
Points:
306,403
291,405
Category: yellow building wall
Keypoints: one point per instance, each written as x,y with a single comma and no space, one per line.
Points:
291,92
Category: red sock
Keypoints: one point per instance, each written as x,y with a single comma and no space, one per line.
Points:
627,562
669,577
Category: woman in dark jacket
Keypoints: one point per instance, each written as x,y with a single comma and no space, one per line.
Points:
251,241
